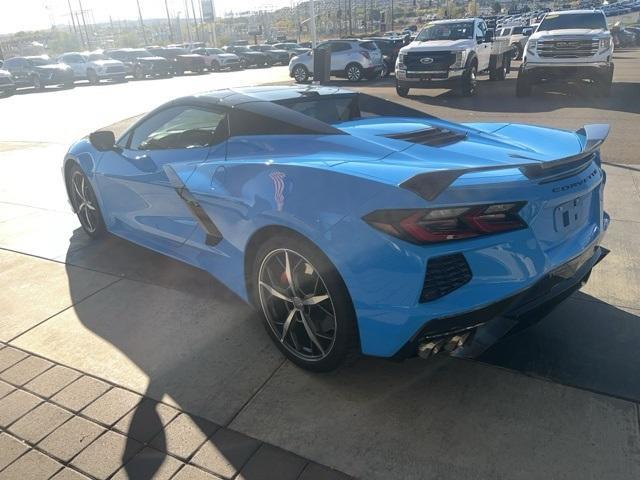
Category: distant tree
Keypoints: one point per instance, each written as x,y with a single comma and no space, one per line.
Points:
497,7
61,41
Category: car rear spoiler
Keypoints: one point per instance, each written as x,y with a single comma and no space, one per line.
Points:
431,184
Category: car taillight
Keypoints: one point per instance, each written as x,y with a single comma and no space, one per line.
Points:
365,54
443,224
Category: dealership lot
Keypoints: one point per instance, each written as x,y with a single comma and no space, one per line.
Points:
559,400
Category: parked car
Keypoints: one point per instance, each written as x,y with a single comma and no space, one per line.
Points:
248,57
181,60
350,59
94,67
216,59
568,45
451,53
623,37
390,47
372,227
140,63
7,86
518,36
291,47
38,72
276,56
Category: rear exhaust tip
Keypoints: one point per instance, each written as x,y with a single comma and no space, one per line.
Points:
449,344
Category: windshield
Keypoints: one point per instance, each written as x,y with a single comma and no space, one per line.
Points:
589,21
241,49
446,31
214,51
98,56
37,61
141,53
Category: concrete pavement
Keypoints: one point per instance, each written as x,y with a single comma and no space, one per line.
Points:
136,324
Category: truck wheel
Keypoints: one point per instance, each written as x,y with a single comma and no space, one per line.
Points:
523,84
37,83
215,66
604,83
469,86
517,51
92,76
402,91
138,74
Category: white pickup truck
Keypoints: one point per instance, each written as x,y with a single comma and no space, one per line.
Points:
451,53
568,45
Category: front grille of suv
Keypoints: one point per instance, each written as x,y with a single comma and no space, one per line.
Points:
569,48
444,275
440,61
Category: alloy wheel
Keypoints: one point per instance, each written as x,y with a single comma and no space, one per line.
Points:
354,73
300,74
84,202
297,304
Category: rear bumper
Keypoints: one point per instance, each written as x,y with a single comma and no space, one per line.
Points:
545,294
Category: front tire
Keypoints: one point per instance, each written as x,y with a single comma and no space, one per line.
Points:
300,74
402,91
37,83
523,84
92,76
305,305
354,72
85,203
138,73
469,86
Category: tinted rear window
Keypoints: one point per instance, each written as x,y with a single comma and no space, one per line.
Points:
368,45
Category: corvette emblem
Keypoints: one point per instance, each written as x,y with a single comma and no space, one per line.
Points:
426,60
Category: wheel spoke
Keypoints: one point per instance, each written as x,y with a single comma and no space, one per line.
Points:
310,332
275,292
287,324
76,188
287,269
315,300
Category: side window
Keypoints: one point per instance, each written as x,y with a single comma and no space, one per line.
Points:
340,47
11,63
179,127
481,29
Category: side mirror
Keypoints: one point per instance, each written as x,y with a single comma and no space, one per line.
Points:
103,140
488,36
527,32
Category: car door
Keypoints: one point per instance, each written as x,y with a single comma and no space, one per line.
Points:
19,70
78,64
139,201
483,48
339,55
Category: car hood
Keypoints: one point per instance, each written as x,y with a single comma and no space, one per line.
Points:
573,32
52,67
227,55
190,55
151,59
437,45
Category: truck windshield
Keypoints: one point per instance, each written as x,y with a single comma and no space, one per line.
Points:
446,31
591,21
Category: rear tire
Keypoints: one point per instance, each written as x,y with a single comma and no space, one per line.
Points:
524,87
37,83
333,318
92,76
138,73
215,66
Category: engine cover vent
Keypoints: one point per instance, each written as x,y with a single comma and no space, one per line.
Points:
433,137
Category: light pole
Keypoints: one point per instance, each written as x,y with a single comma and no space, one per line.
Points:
166,6
314,38
144,34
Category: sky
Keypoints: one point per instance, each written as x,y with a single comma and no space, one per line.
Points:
16,15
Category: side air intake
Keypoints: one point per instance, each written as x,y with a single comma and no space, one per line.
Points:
433,137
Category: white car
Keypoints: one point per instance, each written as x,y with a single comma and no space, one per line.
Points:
94,67
351,59
568,45
217,59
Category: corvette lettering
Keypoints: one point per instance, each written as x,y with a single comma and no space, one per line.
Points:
578,183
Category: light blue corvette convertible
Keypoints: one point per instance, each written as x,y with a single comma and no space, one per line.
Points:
352,223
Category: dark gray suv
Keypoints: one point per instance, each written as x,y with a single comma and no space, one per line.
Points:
38,72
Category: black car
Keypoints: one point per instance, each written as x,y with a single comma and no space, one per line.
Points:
248,57
291,47
141,63
275,55
181,60
390,47
38,72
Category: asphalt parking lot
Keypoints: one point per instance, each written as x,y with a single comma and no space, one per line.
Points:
558,400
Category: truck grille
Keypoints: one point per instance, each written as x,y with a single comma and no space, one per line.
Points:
568,48
444,275
440,61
